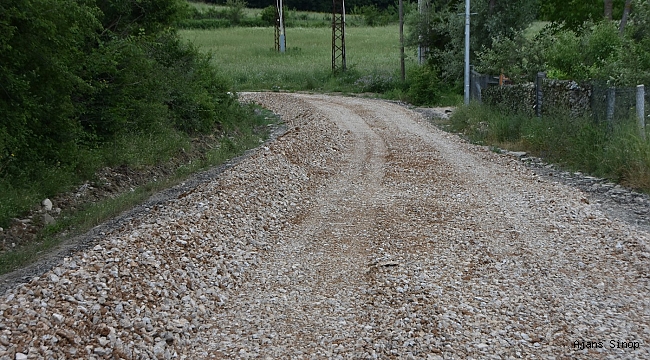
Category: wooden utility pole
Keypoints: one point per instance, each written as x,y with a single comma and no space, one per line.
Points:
401,39
608,9
626,14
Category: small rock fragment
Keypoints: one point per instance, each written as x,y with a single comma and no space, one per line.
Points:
100,351
47,204
48,219
58,318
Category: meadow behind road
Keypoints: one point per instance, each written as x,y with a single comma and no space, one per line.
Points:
246,55
362,233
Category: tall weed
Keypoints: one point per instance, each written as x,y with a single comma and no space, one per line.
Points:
615,152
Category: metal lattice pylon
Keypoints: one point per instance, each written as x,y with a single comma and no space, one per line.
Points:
280,39
338,35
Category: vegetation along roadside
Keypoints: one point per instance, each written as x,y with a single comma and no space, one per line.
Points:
102,105
603,45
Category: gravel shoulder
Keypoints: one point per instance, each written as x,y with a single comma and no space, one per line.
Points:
362,232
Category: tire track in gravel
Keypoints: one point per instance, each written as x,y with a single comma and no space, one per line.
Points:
512,266
548,242
314,276
363,233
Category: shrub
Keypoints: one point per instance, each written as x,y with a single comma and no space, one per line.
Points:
377,83
519,58
424,85
235,11
373,16
204,24
268,15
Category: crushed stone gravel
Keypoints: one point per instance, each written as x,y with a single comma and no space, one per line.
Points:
363,232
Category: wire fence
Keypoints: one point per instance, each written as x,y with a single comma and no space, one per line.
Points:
596,99
613,104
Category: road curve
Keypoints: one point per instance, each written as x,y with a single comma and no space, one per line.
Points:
363,233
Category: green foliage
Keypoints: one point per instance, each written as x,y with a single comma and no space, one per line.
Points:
323,6
519,58
639,29
425,86
573,14
235,11
598,52
77,76
39,71
268,15
485,125
505,21
122,18
234,14
374,16
377,83
203,24
442,31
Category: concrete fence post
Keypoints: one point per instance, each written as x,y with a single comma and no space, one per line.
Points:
611,104
640,109
539,96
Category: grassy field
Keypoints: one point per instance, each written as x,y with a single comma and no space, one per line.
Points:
246,56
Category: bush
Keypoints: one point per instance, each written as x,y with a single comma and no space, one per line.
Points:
373,16
377,83
518,58
235,11
424,85
268,15
596,53
204,24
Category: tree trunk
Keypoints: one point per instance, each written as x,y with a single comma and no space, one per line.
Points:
626,14
608,9
491,6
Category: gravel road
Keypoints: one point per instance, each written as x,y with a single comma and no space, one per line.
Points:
362,233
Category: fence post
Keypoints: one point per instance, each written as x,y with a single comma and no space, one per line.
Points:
538,93
611,104
640,109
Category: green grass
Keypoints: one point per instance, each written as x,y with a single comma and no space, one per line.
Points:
246,56
619,153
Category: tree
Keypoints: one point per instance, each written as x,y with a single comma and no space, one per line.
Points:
626,14
43,44
608,9
501,19
443,32
572,14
